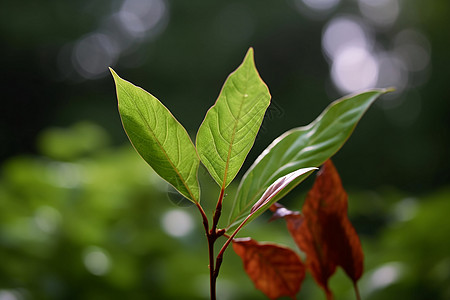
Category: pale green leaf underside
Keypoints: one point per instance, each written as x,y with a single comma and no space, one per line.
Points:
299,175
159,138
230,127
302,147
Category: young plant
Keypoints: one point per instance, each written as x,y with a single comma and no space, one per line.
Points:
223,141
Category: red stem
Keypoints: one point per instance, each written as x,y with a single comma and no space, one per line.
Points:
212,235
355,287
329,294
218,211
219,258
210,250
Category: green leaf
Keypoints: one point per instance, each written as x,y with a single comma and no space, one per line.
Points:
229,129
308,146
159,138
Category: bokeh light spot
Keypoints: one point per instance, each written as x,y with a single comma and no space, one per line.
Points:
344,32
47,219
354,69
315,9
321,4
139,17
406,209
382,13
177,223
9,295
93,54
65,175
96,261
385,275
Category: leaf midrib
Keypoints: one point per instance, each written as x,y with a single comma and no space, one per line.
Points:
233,135
158,142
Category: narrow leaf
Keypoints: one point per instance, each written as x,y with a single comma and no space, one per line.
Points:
270,195
278,186
229,129
275,270
158,137
308,146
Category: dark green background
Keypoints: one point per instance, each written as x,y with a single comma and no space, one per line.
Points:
70,180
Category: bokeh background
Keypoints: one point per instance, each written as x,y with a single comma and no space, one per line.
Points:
83,217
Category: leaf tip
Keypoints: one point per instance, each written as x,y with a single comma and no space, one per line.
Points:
250,55
113,73
389,89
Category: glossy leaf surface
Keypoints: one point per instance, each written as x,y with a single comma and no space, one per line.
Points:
229,129
276,271
308,146
158,137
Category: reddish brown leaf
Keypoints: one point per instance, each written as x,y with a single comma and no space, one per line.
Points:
324,231
307,235
328,201
346,246
275,270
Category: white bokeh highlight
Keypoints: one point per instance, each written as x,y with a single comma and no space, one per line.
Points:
384,276
139,17
119,34
348,45
177,223
354,69
343,32
96,260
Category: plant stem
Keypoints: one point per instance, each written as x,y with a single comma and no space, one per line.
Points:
355,287
212,235
219,258
211,241
218,211
212,277
204,217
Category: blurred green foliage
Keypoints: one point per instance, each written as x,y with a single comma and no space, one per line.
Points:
90,222
81,217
